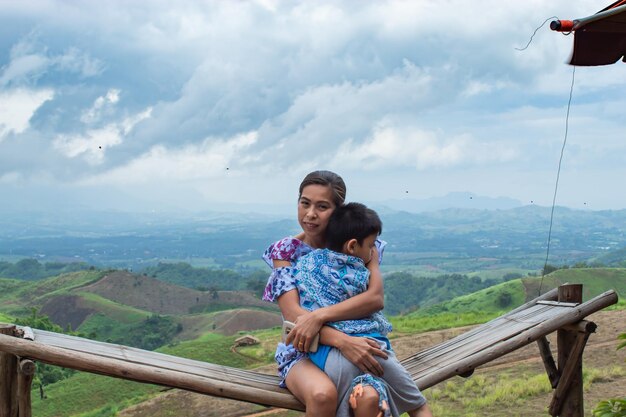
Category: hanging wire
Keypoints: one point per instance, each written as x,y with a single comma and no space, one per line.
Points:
535,32
558,174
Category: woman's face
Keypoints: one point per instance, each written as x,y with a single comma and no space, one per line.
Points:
314,209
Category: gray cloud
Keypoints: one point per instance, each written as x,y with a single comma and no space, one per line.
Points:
309,84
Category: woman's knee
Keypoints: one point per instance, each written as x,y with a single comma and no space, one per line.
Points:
323,394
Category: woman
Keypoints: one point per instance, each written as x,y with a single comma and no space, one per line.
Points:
320,192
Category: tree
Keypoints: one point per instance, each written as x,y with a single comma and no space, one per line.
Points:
549,269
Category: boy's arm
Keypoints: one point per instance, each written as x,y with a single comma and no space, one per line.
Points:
361,305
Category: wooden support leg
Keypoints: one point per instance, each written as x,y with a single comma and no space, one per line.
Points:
8,378
548,361
568,396
25,373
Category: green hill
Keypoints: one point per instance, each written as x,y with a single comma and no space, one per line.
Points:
491,302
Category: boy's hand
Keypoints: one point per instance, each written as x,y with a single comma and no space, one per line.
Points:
374,258
307,326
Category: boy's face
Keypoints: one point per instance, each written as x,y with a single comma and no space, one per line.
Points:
365,250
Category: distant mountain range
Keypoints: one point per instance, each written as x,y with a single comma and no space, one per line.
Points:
463,200
465,239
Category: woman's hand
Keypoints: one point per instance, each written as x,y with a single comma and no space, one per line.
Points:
361,351
307,326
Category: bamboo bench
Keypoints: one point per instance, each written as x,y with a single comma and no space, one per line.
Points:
558,310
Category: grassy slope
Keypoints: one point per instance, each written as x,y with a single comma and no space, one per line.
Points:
16,297
485,304
595,280
85,392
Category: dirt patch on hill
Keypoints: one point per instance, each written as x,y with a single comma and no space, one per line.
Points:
66,310
150,294
228,322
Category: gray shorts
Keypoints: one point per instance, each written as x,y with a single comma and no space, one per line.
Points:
402,391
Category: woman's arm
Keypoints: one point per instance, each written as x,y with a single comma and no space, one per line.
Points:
358,350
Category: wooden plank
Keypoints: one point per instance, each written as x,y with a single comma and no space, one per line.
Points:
461,347
570,315
154,359
235,389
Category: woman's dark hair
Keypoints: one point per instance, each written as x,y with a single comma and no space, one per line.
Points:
351,221
329,179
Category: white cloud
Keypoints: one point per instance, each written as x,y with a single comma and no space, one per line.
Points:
92,145
22,69
391,147
93,114
30,60
379,87
190,163
18,106
78,62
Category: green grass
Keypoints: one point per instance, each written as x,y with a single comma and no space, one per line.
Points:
213,348
116,311
502,393
16,296
418,324
6,319
85,392
595,280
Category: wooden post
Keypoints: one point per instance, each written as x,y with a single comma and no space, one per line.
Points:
26,372
8,378
571,404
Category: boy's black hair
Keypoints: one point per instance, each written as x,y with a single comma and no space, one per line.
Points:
351,221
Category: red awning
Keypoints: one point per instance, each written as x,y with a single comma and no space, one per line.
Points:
599,39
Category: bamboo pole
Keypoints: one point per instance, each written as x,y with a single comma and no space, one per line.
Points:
486,355
8,376
26,372
143,373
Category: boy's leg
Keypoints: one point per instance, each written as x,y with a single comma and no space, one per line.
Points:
404,395
313,388
365,403
423,411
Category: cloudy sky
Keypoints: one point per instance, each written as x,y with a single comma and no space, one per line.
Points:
150,105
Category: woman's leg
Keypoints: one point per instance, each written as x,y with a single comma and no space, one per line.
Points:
313,388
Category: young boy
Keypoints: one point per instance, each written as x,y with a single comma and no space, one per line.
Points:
325,277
